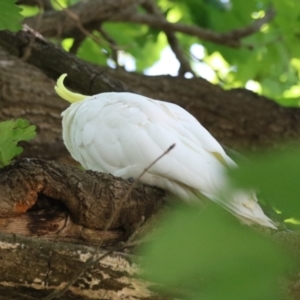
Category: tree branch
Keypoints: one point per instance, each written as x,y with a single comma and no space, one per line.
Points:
59,24
185,67
230,39
112,44
22,183
33,268
55,61
238,118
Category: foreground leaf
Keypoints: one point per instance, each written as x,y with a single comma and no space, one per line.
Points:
210,255
12,132
276,177
10,17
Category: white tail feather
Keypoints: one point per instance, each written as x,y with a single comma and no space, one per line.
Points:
245,207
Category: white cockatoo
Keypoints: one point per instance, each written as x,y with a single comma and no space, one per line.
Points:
123,133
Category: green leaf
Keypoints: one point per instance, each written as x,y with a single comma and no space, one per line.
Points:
212,256
29,11
268,53
92,52
198,12
144,44
276,177
10,17
143,57
12,132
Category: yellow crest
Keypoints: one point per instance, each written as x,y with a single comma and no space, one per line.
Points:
64,93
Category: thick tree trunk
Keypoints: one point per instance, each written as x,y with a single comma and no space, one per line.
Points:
55,201
33,268
55,204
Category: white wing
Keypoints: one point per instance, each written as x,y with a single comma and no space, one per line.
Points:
123,133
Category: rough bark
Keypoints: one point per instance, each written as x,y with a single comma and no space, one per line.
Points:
33,268
87,13
54,204
55,201
43,267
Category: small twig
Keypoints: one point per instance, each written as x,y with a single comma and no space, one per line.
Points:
231,38
116,211
112,44
78,24
151,7
142,174
238,34
90,13
77,43
27,51
125,11
94,259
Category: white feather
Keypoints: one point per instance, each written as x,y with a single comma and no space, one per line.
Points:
123,133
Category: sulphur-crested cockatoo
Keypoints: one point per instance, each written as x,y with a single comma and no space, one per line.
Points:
123,133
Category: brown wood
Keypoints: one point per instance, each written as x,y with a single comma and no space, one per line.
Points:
32,268
56,201
55,204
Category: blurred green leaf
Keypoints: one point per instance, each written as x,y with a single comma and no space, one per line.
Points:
151,52
143,44
209,253
29,11
289,102
198,12
276,177
269,56
268,53
92,52
238,16
10,16
12,132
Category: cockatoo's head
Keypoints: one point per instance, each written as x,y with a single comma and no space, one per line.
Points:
65,93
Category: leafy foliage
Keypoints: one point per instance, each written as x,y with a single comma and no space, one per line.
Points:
29,11
12,132
268,58
275,176
10,17
92,52
142,43
213,256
